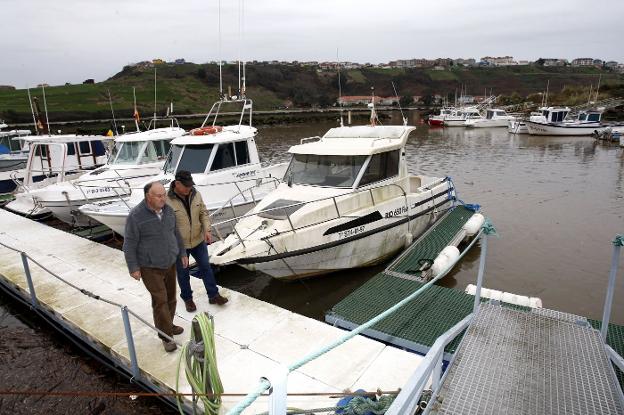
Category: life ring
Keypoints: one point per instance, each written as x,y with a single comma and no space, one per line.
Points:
206,130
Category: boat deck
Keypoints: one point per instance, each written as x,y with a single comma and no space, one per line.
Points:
253,338
536,361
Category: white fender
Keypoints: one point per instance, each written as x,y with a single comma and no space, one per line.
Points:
445,259
473,224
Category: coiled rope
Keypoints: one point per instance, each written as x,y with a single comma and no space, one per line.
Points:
199,359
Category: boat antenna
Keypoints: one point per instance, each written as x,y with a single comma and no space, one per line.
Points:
110,101
590,93
546,98
154,95
243,92
399,101
339,89
220,61
136,111
45,108
239,47
32,111
598,87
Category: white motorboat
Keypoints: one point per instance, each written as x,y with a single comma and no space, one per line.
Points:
347,201
13,149
554,121
458,118
225,166
494,117
136,157
51,159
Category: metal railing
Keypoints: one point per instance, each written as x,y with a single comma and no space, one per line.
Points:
126,312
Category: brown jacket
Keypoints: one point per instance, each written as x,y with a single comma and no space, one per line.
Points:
192,225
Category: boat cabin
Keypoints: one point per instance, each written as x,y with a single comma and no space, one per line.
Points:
495,113
350,157
553,114
589,116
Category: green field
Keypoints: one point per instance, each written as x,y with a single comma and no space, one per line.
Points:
193,88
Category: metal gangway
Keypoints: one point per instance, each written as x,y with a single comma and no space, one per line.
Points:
515,360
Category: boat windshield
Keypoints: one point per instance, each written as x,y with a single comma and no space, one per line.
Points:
324,170
127,152
191,158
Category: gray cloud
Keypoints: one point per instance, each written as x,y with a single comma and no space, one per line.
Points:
70,40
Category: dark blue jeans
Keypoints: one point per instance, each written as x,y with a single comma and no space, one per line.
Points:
200,253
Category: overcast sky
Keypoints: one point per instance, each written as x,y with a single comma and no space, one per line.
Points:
58,41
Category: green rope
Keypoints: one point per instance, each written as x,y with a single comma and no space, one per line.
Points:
201,371
619,240
361,405
488,228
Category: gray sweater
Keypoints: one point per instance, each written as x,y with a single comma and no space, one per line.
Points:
152,242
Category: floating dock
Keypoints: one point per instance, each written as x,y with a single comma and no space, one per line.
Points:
253,338
418,324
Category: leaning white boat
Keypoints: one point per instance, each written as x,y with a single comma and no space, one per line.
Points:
225,166
554,122
347,201
51,159
137,157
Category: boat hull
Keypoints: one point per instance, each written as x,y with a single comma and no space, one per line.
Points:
561,129
517,127
435,122
358,251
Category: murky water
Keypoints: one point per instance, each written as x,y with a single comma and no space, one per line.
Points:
556,203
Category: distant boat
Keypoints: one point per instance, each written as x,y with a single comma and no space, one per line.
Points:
13,149
554,121
438,120
494,117
458,117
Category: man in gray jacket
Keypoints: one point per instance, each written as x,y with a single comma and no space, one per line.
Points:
152,244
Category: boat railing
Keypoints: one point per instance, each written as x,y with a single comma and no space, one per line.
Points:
215,111
48,173
132,369
371,191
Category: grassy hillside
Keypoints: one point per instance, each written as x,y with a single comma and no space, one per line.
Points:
193,88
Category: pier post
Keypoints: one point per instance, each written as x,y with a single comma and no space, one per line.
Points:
130,341
31,286
606,313
278,391
477,299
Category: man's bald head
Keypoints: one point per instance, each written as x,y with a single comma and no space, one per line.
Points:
155,195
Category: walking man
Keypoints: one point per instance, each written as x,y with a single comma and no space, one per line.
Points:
152,245
194,225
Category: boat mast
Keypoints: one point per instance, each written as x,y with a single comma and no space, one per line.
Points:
32,111
154,96
339,88
220,62
45,107
136,111
110,101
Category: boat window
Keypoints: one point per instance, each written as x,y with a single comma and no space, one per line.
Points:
242,152
593,117
582,116
172,158
149,154
128,152
195,158
162,148
71,149
381,166
489,115
98,148
224,157
84,147
322,170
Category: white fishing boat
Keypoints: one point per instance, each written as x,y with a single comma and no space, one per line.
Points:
494,117
51,159
225,166
13,149
136,157
554,121
459,117
347,201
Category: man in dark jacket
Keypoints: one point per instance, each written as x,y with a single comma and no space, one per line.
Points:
194,225
152,245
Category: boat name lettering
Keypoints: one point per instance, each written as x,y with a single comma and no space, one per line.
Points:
396,212
98,190
246,174
351,232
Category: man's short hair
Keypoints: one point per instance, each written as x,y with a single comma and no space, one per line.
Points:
147,188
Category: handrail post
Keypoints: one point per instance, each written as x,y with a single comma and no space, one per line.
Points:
278,392
336,206
130,341
606,314
31,286
477,300
436,374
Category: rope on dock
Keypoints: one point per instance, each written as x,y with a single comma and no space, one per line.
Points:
619,240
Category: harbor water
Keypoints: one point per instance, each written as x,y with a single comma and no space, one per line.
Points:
556,203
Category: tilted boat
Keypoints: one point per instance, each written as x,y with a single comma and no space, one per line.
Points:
347,201
225,166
